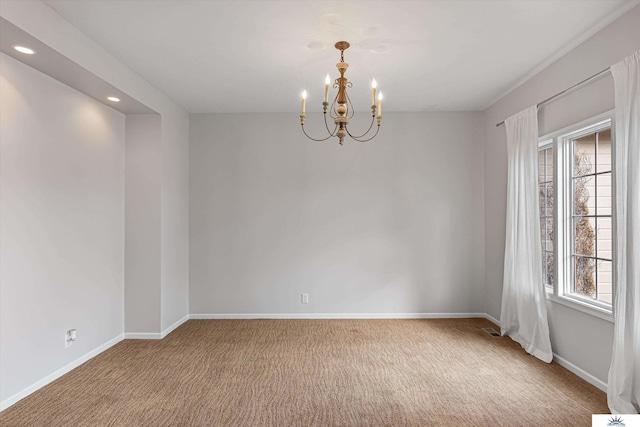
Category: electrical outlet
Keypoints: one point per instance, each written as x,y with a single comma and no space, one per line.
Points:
305,298
70,337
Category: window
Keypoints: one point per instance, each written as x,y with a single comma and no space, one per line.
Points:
576,207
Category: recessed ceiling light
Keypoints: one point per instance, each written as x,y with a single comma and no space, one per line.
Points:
113,99
24,50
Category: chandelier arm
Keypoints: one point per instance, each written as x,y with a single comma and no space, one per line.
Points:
318,140
353,110
365,140
327,126
332,111
368,130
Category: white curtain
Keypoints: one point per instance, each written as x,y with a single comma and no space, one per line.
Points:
524,313
623,390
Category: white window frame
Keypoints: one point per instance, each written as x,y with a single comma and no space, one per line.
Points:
562,213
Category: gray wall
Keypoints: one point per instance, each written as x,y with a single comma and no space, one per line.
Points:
62,219
175,219
42,22
142,223
157,223
582,339
391,226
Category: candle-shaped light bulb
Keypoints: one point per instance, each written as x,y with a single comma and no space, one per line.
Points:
327,81
304,101
380,105
374,85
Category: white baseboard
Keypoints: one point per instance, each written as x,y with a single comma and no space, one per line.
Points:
155,335
492,319
57,374
174,326
142,336
580,372
567,365
338,316
60,372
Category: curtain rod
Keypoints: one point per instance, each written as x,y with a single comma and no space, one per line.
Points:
585,81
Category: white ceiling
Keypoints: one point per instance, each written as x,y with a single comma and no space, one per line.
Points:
51,62
257,56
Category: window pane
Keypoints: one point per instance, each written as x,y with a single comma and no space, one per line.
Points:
604,235
584,201
547,259
585,236
605,282
604,200
545,192
604,151
547,240
584,151
549,158
549,199
592,205
585,276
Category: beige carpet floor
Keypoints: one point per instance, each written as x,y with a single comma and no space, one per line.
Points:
315,373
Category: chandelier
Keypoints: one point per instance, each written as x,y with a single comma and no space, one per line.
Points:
341,110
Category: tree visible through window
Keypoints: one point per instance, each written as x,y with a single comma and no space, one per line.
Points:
585,237
592,215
